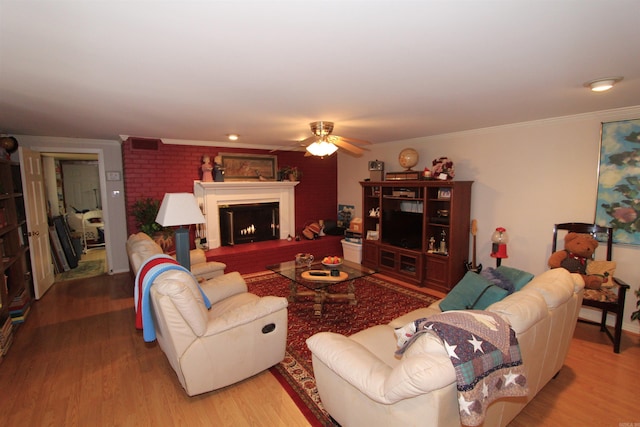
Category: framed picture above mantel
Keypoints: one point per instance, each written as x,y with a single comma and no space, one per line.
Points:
618,198
249,167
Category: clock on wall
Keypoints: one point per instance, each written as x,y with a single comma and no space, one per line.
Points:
408,158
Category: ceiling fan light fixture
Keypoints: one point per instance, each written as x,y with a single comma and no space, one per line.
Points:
601,85
322,148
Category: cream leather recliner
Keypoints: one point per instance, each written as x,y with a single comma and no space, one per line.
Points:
239,336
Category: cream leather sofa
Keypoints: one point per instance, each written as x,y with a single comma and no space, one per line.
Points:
362,383
140,247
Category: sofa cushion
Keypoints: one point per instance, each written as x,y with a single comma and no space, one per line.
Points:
419,313
197,256
472,292
604,269
519,278
555,285
138,237
146,248
142,250
521,310
189,304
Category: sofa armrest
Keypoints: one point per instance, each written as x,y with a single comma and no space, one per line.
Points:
208,270
246,313
414,375
224,286
352,362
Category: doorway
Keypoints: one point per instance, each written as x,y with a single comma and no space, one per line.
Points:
73,190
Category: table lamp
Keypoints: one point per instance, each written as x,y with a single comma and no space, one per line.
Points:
180,209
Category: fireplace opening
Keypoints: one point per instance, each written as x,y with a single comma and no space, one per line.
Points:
248,223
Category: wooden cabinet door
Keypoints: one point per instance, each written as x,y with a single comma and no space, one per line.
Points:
436,272
410,265
370,255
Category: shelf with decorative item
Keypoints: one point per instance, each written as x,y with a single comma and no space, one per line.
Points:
289,173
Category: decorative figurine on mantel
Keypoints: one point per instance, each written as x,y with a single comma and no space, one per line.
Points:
218,169
206,169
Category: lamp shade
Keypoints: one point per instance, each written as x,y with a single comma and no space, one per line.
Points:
179,209
322,148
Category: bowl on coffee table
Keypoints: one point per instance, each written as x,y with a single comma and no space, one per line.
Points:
332,261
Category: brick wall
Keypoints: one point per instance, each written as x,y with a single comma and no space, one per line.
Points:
173,168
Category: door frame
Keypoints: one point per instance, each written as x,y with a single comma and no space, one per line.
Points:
103,186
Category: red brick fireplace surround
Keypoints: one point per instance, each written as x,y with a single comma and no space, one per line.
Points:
156,169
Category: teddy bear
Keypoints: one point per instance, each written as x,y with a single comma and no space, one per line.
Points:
578,248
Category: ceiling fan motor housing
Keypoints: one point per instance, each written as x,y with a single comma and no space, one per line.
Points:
321,128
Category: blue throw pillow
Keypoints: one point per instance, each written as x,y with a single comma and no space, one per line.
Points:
519,278
472,292
498,279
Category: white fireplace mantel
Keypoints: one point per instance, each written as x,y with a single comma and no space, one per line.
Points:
212,195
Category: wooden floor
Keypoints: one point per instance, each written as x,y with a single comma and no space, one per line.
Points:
78,361
93,254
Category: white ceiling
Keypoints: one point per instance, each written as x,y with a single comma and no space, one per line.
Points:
381,70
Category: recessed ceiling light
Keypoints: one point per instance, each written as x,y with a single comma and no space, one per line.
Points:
601,85
233,136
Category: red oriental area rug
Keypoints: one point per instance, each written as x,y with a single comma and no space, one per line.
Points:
379,302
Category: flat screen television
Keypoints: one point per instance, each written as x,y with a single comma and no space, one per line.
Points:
402,229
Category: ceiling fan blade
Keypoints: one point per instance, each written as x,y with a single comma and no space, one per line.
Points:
353,149
355,140
309,140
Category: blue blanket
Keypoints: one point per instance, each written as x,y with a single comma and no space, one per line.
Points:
143,286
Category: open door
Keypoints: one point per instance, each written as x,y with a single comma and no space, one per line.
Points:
37,225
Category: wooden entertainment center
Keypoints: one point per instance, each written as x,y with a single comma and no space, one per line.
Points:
417,231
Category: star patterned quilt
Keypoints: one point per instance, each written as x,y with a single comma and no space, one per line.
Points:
485,354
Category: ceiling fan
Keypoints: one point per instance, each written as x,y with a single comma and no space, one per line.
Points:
323,143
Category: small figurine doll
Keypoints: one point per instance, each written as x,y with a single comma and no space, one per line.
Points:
207,176
218,169
432,245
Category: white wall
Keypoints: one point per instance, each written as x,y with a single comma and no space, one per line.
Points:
527,177
81,182
49,173
112,192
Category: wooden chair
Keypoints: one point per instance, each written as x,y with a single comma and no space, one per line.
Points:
609,299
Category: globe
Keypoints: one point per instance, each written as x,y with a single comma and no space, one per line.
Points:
408,158
9,143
